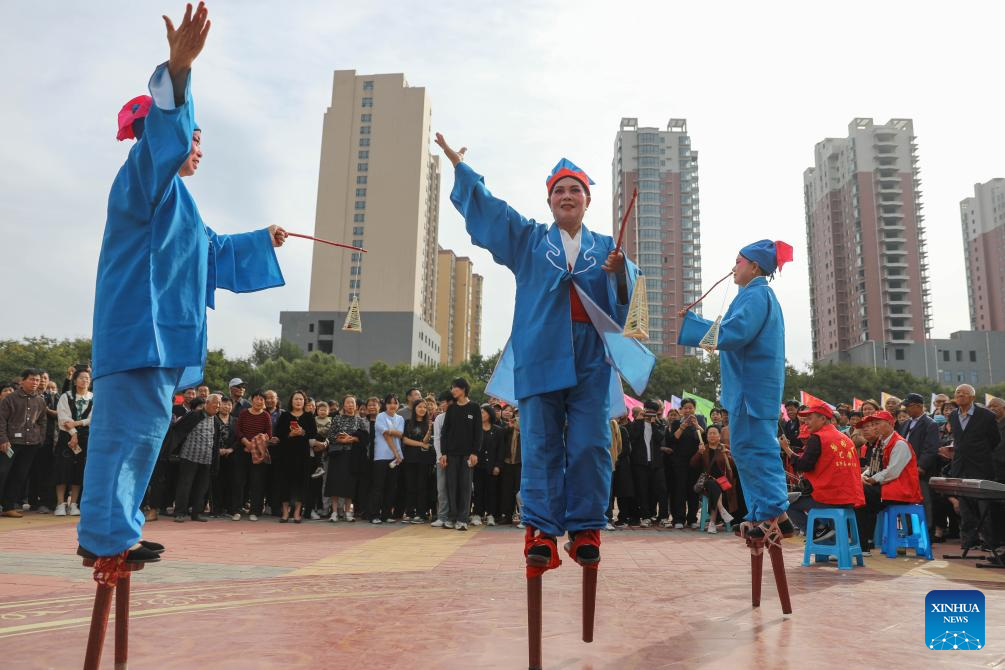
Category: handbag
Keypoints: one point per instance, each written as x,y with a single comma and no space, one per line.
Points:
699,486
723,483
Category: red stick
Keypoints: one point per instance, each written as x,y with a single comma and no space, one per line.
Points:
318,239
703,295
624,220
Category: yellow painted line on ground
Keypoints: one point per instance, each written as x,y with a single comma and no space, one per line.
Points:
174,609
32,520
410,549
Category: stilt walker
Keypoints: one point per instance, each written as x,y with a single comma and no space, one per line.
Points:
750,339
561,367
157,273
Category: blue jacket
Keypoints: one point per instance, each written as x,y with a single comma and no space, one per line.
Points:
159,263
751,352
539,357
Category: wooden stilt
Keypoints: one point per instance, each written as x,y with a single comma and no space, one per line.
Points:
534,622
778,567
589,601
99,622
122,622
756,562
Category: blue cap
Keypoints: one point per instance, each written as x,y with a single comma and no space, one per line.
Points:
566,168
770,256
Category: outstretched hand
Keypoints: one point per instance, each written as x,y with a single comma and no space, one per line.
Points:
188,39
454,157
278,235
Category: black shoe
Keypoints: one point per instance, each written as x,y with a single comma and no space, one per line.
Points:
824,535
155,547
138,555
199,517
586,554
539,555
787,527
282,520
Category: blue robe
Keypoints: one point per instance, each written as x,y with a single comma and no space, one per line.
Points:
563,375
752,356
157,272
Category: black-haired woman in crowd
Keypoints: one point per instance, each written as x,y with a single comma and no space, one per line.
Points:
511,470
296,431
488,470
388,429
73,415
348,434
720,473
419,461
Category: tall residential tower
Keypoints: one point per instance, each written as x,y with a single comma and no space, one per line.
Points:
983,218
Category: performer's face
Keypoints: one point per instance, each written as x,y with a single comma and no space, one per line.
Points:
568,201
189,167
743,271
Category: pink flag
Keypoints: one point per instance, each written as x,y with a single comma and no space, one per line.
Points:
666,408
631,403
785,413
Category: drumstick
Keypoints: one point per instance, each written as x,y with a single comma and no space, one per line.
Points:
624,220
318,239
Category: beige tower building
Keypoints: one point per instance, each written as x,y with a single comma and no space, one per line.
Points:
378,188
458,308
983,219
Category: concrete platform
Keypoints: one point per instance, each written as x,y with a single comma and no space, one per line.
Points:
322,595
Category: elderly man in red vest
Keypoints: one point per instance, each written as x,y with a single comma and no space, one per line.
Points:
829,463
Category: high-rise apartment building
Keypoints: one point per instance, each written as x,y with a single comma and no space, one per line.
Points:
866,252
983,218
378,188
664,237
458,308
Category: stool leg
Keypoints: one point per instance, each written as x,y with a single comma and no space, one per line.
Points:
534,622
122,622
589,601
781,583
99,622
756,562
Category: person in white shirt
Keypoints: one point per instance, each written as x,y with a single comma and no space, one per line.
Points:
73,417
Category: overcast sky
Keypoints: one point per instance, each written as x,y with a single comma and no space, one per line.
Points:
521,84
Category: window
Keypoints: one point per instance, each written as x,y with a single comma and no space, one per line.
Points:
310,328
363,154
364,130
959,356
357,257
973,356
898,354
326,327
361,179
362,167
360,204
368,102
368,85
945,357
364,141
364,118
355,270
358,218
310,347
357,243
361,193
357,230
354,283
325,346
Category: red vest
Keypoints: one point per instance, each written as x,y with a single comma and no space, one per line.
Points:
837,477
578,311
907,487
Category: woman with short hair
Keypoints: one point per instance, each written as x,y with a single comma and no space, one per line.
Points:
347,434
73,416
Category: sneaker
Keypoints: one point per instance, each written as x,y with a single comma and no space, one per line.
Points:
824,536
461,526
620,525
74,510
334,517
252,517
315,516
406,519
867,553
375,521
695,526
418,519
475,520
678,526
25,507
388,520
349,517
711,528
449,525
439,523
317,474
666,523
60,510
646,523
520,525
609,526
490,521
236,517
42,509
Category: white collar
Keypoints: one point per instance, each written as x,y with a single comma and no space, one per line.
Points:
571,245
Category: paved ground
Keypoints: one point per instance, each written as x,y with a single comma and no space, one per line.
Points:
321,595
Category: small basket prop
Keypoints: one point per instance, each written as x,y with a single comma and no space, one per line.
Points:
353,323
637,323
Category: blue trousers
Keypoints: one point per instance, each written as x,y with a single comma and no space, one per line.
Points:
754,445
565,439
131,416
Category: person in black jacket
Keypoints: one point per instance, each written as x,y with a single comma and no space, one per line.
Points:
975,438
686,434
922,433
646,436
194,441
487,472
459,447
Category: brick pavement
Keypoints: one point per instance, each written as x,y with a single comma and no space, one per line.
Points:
318,595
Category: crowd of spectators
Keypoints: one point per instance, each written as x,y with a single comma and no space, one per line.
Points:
443,460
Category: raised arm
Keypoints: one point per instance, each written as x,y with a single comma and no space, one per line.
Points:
492,224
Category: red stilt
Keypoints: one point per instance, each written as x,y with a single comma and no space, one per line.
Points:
99,622
589,601
756,562
122,622
778,567
534,622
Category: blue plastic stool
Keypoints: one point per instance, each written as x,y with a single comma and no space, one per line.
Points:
703,519
889,537
844,548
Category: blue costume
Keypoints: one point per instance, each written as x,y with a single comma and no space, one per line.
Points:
157,272
563,374
751,344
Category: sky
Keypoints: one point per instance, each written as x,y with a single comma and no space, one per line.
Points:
521,84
